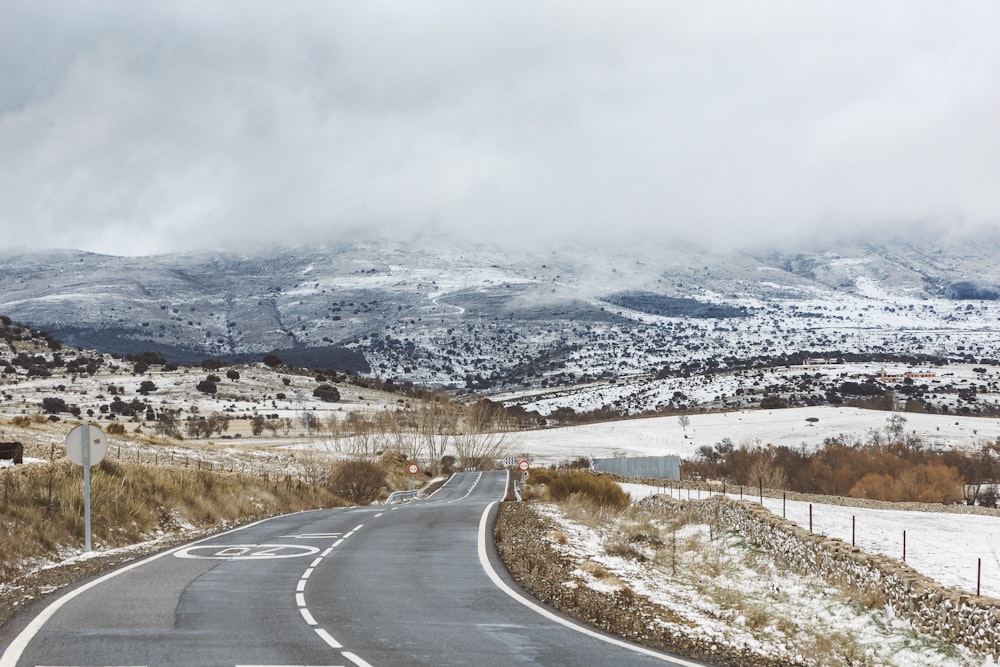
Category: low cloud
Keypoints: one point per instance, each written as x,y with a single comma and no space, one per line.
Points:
135,129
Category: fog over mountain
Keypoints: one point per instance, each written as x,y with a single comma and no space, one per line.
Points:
135,128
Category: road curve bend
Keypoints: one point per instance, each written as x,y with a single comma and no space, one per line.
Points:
374,586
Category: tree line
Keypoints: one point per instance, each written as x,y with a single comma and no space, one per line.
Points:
888,464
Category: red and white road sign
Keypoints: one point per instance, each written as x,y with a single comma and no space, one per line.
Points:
413,468
523,465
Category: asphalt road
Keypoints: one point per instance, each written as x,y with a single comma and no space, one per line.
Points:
417,584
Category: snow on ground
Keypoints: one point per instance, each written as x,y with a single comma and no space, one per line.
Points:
660,436
723,590
944,546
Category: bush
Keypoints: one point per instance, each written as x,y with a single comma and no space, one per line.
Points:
326,392
207,387
599,490
358,481
53,405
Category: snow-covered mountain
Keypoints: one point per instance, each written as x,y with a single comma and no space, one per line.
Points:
483,317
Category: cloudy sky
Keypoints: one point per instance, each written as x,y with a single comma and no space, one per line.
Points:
141,128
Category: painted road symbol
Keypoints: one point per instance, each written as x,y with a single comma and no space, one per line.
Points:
245,551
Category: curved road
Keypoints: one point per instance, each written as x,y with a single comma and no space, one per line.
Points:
417,584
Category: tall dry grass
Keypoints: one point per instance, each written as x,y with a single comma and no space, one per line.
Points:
42,506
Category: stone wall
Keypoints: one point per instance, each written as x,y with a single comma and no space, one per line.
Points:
947,613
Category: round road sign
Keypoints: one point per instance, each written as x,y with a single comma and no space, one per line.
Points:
412,468
523,465
97,440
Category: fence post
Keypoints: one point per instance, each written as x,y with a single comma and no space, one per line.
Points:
810,517
854,519
979,576
904,546
784,503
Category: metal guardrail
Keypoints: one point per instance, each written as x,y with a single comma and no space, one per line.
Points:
401,497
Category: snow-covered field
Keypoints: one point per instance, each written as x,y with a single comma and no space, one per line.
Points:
660,436
944,546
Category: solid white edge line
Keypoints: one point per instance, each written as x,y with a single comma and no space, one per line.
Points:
440,487
328,638
16,648
535,607
355,659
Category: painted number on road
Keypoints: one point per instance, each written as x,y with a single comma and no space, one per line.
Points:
246,551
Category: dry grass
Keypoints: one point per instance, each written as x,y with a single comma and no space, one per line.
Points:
41,506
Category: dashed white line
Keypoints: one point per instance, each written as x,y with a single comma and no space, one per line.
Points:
300,600
308,573
301,586
355,659
325,636
307,616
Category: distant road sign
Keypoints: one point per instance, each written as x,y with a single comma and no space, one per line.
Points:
523,465
413,468
98,445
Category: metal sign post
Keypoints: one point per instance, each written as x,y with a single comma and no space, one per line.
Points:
86,445
86,486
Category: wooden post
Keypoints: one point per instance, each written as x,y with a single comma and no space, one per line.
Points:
904,546
784,503
854,520
979,577
810,517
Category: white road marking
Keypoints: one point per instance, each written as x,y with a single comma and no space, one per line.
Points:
327,552
325,636
307,616
542,611
16,648
316,562
300,599
313,536
471,488
308,572
244,551
355,659
301,586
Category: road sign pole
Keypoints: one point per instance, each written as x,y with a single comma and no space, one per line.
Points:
86,485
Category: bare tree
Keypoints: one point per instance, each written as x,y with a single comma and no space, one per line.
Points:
684,421
481,435
435,420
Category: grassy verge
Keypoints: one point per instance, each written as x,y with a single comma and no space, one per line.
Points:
41,506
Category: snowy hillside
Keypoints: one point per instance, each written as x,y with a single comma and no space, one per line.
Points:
488,319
